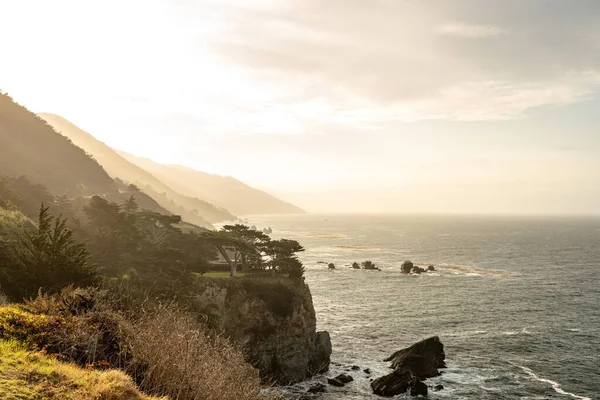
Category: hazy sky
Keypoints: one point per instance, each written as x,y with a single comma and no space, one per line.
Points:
336,105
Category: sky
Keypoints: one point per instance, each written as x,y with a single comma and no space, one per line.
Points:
448,106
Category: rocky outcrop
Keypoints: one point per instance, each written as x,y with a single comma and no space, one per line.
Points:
407,266
418,270
340,380
273,320
412,365
370,265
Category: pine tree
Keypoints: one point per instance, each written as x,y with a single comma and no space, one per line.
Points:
47,257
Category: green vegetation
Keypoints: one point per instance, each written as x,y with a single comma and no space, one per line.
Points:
34,375
100,277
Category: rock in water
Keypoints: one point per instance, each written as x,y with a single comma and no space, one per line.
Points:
392,384
411,365
317,388
344,378
437,388
355,265
407,266
331,266
335,382
422,358
431,268
418,388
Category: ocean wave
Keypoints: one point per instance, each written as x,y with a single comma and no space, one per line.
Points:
555,385
471,271
523,331
324,235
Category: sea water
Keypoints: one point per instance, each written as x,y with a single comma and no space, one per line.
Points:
515,300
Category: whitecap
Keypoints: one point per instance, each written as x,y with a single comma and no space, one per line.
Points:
555,385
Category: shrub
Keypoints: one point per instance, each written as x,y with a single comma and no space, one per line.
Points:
278,295
69,324
181,360
28,375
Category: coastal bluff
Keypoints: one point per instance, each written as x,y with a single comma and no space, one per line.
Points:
273,320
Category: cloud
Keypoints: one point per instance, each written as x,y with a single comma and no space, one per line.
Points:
375,63
472,31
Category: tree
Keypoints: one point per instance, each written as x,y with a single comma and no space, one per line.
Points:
282,256
252,243
46,257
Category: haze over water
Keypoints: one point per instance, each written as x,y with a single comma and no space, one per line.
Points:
514,299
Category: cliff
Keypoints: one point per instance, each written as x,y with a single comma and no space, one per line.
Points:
273,320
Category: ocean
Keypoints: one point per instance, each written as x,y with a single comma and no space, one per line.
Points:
515,300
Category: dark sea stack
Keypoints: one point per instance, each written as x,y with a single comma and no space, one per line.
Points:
392,384
407,266
412,365
331,266
422,358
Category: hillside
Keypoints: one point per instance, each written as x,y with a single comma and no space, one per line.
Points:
190,208
31,147
224,191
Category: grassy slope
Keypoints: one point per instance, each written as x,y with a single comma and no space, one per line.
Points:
27,375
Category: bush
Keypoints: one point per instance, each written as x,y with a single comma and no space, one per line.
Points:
95,338
27,375
181,360
278,295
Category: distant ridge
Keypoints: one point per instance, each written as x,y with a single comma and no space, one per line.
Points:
30,147
224,191
190,208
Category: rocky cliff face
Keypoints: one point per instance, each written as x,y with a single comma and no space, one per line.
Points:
274,321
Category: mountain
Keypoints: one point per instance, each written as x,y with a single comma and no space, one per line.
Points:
30,147
224,191
31,150
190,208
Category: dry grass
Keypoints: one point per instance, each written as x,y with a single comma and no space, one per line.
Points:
27,375
184,362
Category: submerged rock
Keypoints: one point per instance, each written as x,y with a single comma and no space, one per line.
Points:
344,378
340,380
317,388
355,368
437,388
335,382
406,266
418,270
411,365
